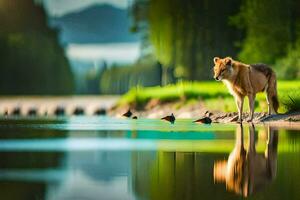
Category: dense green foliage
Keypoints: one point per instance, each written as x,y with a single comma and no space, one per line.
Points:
186,35
267,27
32,62
272,36
289,67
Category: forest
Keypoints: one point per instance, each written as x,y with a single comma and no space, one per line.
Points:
178,42
184,36
32,61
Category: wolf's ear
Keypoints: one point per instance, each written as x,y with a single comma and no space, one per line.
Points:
228,61
216,59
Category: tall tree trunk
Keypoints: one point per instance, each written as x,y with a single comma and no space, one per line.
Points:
164,75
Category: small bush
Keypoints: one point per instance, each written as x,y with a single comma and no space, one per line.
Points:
292,102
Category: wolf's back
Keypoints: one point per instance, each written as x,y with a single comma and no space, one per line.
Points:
263,68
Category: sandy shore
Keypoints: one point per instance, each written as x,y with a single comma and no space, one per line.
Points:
195,111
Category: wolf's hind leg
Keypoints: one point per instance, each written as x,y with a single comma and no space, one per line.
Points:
270,104
251,98
272,94
268,100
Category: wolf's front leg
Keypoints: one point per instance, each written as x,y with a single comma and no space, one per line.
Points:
251,98
239,103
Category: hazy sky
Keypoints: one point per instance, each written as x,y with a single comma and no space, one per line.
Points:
60,7
111,53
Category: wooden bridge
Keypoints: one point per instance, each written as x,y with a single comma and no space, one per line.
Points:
56,105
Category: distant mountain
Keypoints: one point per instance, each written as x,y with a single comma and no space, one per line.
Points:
95,24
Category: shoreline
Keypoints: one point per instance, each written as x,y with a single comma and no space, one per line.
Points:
195,111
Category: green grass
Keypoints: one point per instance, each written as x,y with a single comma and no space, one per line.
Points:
214,95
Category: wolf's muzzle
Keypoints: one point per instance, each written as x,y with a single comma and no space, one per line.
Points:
217,78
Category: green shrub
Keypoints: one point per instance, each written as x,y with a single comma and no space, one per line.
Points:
292,102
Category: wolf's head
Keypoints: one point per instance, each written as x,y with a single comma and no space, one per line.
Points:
223,68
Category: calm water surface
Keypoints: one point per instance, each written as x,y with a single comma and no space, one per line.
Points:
104,158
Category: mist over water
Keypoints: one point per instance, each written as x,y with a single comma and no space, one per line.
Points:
121,53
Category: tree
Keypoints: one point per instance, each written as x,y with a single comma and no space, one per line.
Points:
186,35
267,25
32,62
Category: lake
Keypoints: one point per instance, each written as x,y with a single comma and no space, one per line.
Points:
109,158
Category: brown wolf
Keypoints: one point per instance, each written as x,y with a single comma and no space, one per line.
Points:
247,80
246,171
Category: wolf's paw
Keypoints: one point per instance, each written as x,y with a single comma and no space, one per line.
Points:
239,121
249,120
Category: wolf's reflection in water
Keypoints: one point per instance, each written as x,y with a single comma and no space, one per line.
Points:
246,171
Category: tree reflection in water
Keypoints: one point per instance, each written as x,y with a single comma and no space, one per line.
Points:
246,171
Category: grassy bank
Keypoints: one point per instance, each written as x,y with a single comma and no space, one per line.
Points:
214,95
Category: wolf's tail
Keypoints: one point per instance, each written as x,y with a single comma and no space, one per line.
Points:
272,91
